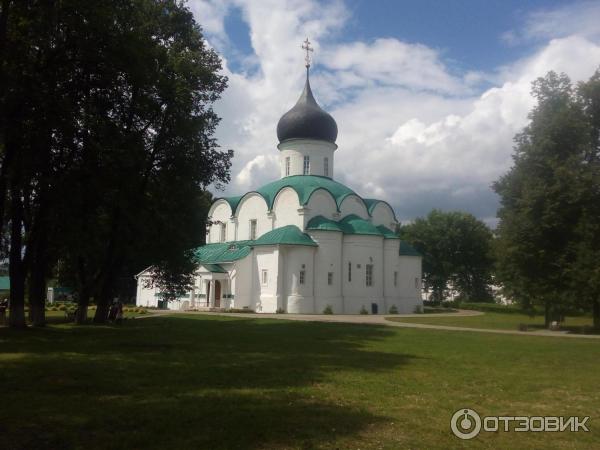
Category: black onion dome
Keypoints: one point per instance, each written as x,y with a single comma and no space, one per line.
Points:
306,120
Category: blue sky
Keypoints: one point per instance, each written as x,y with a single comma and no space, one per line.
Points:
427,94
466,31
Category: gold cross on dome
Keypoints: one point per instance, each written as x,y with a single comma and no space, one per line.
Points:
306,46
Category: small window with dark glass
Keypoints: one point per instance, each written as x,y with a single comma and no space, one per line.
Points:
306,170
369,275
223,236
302,276
329,278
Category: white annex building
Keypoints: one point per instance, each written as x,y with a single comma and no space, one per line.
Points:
304,242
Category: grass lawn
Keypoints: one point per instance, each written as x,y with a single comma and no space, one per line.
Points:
208,382
497,321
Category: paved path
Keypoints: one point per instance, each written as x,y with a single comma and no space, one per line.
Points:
380,320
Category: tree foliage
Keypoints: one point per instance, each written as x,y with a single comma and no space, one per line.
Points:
456,249
549,215
106,134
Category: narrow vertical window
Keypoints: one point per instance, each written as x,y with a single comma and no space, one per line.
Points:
287,166
265,277
306,170
223,232
349,271
252,229
326,167
369,277
395,279
302,276
329,278
416,283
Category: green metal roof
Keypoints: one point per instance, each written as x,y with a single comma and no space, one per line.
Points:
373,202
233,202
408,250
215,268
211,255
353,224
222,252
387,233
323,224
304,185
287,235
4,283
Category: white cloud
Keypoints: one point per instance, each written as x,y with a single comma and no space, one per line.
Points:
393,63
574,18
410,131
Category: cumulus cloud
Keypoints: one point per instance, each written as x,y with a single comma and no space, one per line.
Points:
411,131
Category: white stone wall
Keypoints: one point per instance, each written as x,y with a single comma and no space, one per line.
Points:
317,151
321,203
353,204
361,250
220,211
391,292
264,295
410,284
328,259
241,283
285,209
382,214
298,298
145,296
253,206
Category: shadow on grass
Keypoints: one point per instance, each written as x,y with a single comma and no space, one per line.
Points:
570,329
185,382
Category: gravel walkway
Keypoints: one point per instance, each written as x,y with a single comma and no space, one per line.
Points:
380,320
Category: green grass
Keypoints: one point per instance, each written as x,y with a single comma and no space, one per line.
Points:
498,321
207,382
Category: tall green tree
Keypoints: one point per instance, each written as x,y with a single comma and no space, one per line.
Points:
112,101
548,215
585,270
456,249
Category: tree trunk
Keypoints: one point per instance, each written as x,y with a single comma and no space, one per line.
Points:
16,268
38,314
82,307
102,306
596,313
37,296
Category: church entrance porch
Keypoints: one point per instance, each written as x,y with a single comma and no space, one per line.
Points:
217,294
214,289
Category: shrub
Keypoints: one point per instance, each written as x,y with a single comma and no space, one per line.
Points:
280,310
328,310
393,309
418,309
62,308
363,310
492,307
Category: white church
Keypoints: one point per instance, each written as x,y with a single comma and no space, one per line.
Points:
304,243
